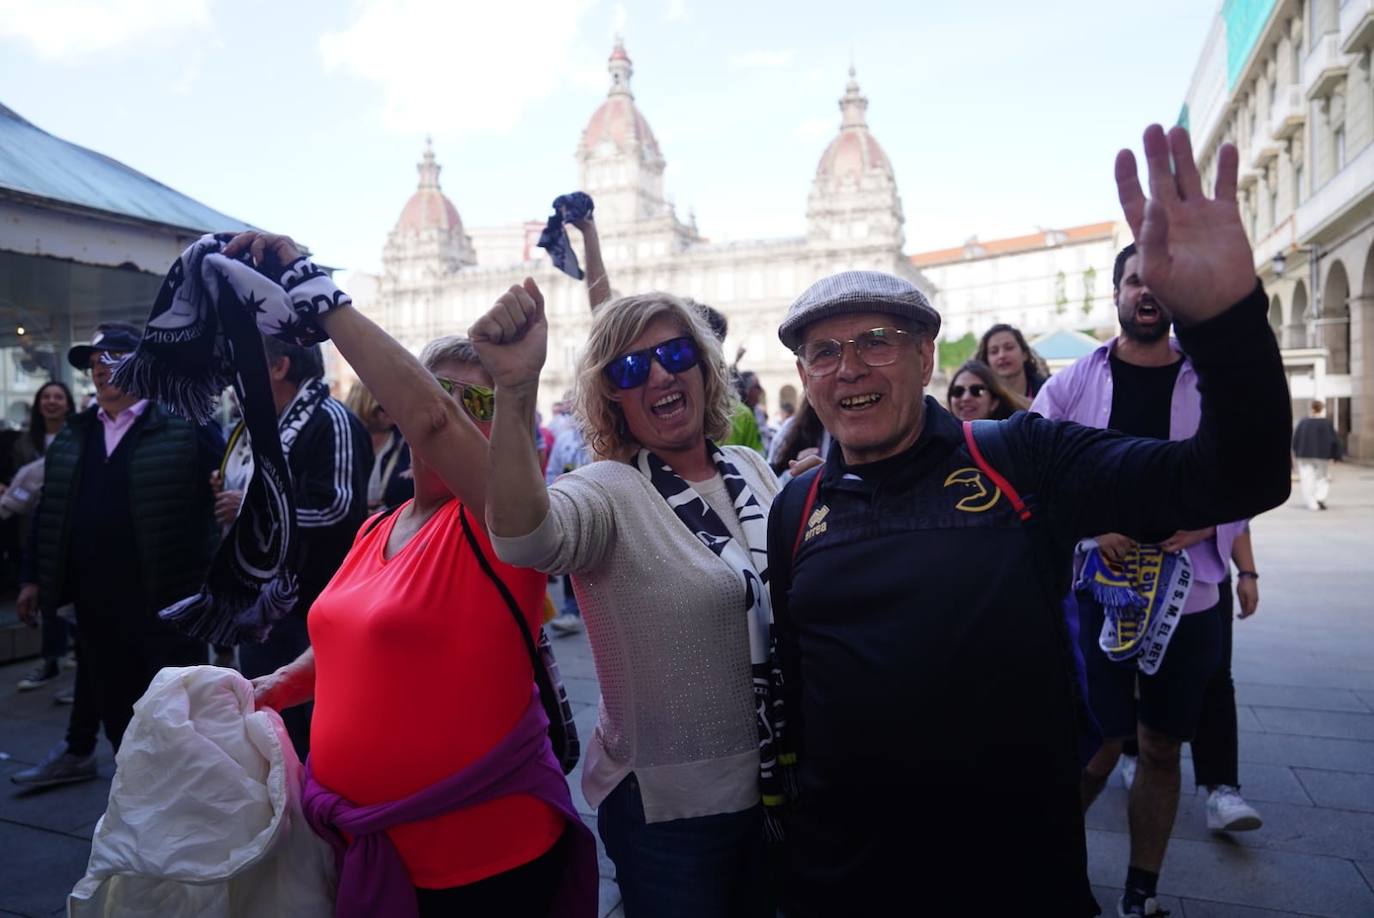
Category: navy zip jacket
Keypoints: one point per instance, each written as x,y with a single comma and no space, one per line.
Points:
928,676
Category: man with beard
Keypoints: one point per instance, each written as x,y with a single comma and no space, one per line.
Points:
1143,385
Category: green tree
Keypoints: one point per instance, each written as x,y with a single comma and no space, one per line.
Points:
1089,283
954,353
1061,293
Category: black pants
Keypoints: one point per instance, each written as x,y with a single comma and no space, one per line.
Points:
288,640
117,657
55,632
523,892
1216,746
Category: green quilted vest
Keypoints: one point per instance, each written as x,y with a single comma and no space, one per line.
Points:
173,518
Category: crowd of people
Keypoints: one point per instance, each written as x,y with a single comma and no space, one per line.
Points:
833,655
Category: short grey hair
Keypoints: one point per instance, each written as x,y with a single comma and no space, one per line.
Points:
449,349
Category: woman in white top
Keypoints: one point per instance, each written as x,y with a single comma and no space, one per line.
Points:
664,537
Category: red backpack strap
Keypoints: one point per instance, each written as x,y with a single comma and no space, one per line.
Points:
806,508
995,476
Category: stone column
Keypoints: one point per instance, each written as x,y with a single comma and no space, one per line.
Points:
1362,377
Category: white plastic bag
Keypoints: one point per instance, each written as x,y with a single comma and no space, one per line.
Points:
204,816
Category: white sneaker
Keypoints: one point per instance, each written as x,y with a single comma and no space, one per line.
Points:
1227,811
566,624
1150,907
1128,771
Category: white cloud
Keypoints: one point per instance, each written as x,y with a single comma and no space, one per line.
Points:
468,68
62,30
618,20
676,11
762,59
183,84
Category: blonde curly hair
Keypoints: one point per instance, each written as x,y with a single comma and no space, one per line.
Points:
617,324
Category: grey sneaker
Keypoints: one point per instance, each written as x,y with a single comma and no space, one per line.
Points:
566,624
58,767
66,696
39,676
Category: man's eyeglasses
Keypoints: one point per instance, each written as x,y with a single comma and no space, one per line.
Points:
877,347
630,371
974,391
478,401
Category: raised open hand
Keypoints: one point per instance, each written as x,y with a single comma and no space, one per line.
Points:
1193,250
512,338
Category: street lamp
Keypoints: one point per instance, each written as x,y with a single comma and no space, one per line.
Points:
1280,262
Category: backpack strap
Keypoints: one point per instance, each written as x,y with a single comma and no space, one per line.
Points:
800,523
548,694
989,434
377,520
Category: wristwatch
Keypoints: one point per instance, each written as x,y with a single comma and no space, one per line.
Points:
1247,574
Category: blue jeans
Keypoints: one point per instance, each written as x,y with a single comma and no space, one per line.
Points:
705,867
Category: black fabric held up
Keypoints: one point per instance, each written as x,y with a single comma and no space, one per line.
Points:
238,603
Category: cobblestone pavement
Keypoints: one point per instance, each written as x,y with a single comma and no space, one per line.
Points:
1304,667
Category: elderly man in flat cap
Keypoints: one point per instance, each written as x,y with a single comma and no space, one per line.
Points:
931,693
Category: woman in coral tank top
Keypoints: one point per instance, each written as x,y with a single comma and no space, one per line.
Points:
423,688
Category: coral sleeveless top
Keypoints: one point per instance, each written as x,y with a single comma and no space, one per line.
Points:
419,671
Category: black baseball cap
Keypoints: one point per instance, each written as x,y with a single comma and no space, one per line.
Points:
109,336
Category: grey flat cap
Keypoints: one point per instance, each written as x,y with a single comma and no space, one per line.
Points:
856,291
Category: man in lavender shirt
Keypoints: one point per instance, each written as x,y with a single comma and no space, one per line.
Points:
1142,384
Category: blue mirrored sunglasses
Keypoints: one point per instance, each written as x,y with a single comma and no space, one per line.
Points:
630,371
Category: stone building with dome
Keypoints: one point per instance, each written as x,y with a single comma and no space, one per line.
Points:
439,276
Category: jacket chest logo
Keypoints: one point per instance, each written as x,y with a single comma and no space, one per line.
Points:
816,524
974,492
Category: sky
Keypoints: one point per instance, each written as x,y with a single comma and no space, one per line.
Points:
308,117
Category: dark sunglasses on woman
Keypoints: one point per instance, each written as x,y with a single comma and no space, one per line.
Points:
975,390
630,371
478,401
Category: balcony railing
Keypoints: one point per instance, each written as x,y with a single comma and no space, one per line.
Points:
1288,114
1357,26
1325,66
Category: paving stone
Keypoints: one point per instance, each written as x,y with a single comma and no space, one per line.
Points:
40,868
1340,790
1239,875
1367,868
1301,829
1301,696
1307,751
27,740
66,808
1246,719
1199,908
1334,724
1108,896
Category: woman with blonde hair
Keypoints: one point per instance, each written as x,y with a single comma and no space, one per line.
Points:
392,483
665,540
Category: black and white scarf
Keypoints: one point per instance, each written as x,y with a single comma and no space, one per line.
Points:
750,564
204,334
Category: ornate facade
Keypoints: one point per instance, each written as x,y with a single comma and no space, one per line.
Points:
1288,82
437,279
